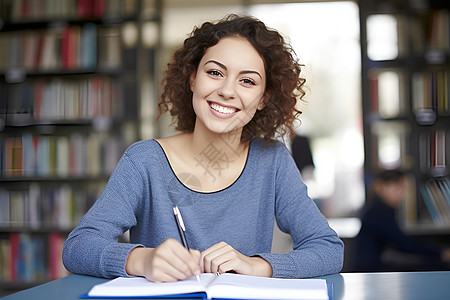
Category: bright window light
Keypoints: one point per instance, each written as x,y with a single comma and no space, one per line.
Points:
325,37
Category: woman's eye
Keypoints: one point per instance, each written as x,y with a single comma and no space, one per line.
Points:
214,73
248,81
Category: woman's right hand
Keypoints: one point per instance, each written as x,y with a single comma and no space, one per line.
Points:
170,261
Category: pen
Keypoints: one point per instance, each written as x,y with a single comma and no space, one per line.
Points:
181,230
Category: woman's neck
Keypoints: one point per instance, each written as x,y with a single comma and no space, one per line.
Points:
227,144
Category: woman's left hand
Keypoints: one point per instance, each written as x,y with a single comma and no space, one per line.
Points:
222,258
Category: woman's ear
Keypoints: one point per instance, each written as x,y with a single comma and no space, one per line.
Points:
265,98
192,80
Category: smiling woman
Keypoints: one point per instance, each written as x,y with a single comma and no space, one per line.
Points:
228,87
279,64
231,87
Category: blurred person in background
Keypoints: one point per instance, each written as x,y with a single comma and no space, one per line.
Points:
381,245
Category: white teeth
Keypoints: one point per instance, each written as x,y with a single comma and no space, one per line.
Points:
221,109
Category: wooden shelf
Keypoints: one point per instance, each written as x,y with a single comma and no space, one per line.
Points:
97,117
413,96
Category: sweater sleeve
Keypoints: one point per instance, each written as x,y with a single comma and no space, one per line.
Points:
317,250
92,248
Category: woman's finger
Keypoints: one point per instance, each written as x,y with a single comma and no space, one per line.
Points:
215,256
170,261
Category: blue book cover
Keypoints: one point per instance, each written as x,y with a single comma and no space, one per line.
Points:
88,46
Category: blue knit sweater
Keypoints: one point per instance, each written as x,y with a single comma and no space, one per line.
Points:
143,188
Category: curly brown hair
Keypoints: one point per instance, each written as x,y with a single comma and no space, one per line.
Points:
283,82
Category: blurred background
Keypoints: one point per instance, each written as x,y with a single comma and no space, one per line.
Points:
79,83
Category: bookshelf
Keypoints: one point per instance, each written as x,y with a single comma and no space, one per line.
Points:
405,48
69,106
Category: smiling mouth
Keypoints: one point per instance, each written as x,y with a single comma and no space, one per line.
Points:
222,109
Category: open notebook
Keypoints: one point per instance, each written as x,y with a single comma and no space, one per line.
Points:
225,286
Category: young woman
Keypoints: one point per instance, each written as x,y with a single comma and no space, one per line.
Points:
231,88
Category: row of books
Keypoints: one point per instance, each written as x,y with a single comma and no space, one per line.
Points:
389,36
61,48
388,92
55,207
68,98
435,152
436,195
431,91
77,155
392,148
31,258
430,35
29,10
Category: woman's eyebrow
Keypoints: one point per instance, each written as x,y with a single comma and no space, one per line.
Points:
225,68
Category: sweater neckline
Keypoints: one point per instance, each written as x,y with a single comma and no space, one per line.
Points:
234,183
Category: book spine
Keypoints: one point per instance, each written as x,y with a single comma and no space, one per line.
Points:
373,88
5,259
4,208
14,247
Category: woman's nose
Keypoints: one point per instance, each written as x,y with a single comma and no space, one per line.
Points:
227,90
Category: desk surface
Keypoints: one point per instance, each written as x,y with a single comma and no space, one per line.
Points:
358,286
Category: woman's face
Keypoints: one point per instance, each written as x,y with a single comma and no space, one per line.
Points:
228,86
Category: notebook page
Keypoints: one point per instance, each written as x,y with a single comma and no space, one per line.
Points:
235,286
138,286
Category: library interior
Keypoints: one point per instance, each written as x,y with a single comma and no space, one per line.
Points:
80,81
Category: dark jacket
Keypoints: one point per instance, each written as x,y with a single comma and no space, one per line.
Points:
380,232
